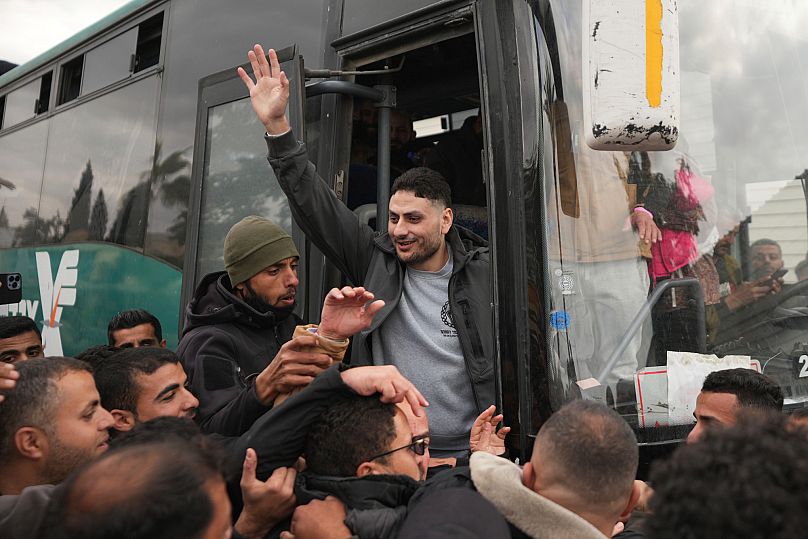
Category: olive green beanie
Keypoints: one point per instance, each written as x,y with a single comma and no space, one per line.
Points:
252,244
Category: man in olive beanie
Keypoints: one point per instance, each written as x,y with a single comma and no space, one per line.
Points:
237,345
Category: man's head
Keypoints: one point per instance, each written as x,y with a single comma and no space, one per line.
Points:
261,260
420,217
802,270
767,257
360,436
20,339
51,422
585,459
135,328
725,393
750,480
145,491
139,384
401,131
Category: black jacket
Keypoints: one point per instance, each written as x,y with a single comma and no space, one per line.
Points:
369,259
224,344
375,505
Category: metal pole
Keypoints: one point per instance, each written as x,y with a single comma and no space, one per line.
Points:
383,153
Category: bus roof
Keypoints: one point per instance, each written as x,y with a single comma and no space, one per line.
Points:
74,41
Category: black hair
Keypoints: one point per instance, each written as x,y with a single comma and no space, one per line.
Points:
94,354
148,491
35,397
753,389
115,375
159,429
801,268
424,183
348,433
748,480
131,318
11,326
593,448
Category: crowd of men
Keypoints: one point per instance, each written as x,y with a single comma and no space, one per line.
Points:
260,425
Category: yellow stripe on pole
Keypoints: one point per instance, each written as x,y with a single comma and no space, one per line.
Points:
653,52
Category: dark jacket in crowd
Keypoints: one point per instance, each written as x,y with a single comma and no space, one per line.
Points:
369,259
22,516
224,345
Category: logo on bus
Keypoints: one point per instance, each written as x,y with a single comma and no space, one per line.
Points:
54,295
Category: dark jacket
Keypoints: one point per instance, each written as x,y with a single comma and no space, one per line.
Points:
375,505
226,343
369,259
22,516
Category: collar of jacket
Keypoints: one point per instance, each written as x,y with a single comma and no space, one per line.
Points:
500,482
465,245
368,492
215,303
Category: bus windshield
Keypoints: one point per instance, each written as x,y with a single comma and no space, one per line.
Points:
728,204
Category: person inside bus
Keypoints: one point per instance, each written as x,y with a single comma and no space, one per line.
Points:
51,423
20,339
458,158
237,346
801,270
435,277
135,328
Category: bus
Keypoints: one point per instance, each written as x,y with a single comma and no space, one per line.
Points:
128,151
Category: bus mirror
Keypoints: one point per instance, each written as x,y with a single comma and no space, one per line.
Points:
631,74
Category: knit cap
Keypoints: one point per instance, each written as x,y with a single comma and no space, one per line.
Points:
252,244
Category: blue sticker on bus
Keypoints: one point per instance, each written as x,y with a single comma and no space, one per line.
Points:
559,320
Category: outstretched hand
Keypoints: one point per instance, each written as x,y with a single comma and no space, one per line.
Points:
484,434
269,93
387,381
347,312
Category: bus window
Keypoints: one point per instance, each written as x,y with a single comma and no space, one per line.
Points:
21,104
109,62
22,154
97,172
729,206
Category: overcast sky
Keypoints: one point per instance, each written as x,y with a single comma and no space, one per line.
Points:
30,27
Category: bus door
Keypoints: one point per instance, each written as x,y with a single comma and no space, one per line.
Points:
231,178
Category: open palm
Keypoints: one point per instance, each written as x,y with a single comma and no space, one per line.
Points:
347,311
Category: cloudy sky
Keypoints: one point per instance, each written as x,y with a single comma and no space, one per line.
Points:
30,27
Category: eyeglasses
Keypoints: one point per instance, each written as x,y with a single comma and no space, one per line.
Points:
418,446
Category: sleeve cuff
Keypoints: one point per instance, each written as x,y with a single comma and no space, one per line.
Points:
280,145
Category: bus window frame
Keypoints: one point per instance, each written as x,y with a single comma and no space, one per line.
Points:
219,89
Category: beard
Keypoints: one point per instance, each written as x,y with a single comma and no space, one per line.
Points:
62,460
428,247
262,306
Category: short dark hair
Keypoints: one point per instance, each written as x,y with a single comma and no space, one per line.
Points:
424,183
142,491
593,449
35,397
348,433
159,429
115,375
766,241
753,389
801,268
11,326
97,353
131,318
748,480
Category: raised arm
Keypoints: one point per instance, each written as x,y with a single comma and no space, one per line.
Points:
269,94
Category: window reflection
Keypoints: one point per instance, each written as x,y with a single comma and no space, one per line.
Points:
730,201
98,167
237,181
21,157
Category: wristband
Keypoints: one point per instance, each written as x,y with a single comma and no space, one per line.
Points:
643,210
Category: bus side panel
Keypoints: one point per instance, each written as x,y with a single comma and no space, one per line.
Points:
73,290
